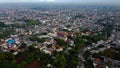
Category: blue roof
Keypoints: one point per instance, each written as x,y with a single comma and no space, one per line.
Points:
11,41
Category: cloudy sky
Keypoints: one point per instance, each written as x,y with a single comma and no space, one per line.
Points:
67,1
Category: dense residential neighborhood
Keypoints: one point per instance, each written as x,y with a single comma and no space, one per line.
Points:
60,37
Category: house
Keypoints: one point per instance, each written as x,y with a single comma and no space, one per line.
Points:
99,63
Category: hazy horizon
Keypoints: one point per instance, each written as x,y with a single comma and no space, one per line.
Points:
91,2
57,3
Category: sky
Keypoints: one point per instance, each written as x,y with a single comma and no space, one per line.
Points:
114,2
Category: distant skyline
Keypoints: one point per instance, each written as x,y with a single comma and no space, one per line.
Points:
109,2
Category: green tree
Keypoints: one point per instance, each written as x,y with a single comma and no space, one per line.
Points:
32,22
75,61
35,38
61,42
60,60
23,45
